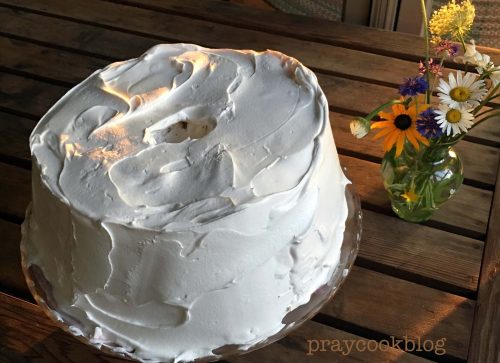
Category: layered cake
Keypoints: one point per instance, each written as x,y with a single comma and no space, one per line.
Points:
184,201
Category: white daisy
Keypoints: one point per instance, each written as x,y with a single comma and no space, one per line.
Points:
454,121
463,92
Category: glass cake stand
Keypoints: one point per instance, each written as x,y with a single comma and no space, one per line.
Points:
41,290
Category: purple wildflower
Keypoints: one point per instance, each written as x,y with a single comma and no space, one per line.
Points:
412,86
453,51
427,125
421,68
447,46
434,68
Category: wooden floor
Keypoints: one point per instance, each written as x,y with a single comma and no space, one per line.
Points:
429,282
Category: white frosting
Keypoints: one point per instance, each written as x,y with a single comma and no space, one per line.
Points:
186,200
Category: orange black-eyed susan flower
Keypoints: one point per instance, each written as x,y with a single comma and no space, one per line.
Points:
400,125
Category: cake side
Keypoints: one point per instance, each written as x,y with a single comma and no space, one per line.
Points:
179,192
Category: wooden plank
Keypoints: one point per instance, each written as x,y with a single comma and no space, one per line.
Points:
63,34
15,190
484,346
409,250
11,274
167,27
72,68
300,346
53,64
26,96
14,135
114,45
399,308
30,335
259,4
373,40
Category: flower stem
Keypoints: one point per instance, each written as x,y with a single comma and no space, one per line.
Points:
436,77
461,38
426,36
485,112
372,114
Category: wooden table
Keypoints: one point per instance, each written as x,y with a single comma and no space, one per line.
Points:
425,282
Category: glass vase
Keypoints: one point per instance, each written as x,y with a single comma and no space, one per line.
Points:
419,182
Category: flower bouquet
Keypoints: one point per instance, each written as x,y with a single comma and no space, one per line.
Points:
420,168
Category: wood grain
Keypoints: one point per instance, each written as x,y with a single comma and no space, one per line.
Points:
258,4
14,136
396,307
15,190
35,60
28,335
484,347
338,60
407,250
11,275
168,27
34,98
396,44
295,348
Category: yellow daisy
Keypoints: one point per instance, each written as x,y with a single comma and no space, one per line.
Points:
400,125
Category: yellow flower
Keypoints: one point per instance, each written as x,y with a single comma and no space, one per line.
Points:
410,196
453,20
399,126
